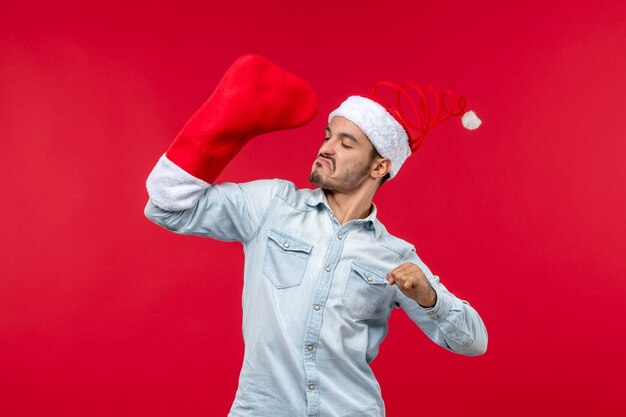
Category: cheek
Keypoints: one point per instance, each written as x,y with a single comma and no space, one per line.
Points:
360,161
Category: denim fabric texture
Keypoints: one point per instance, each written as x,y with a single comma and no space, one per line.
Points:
316,300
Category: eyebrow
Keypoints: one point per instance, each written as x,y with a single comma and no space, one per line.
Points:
343,135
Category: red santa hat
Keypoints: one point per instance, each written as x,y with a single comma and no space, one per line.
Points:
396,123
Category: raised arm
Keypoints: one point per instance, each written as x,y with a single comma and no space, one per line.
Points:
253,97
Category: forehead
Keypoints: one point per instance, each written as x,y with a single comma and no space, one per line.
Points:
340,125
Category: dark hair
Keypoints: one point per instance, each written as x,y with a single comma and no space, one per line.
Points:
375,155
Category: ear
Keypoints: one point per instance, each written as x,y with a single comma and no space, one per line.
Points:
380,167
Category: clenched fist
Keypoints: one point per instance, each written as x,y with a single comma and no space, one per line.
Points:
413,283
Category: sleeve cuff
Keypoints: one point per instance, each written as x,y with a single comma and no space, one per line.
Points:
173,189
441,307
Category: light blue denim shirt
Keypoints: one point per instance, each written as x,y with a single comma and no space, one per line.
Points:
316,299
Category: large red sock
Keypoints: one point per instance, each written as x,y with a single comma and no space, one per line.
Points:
253,97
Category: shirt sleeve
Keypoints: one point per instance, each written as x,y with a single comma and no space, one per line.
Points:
451,322
228,211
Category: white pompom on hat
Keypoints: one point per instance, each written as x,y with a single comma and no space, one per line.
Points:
397,128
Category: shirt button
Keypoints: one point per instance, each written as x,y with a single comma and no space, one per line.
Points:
328,268
340,236
436,317
454,335
286,245
309,348
316,307
311,387
370,278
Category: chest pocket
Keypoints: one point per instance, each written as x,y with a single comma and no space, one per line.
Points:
363,292
286,259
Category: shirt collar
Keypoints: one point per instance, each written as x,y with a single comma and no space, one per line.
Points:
370,222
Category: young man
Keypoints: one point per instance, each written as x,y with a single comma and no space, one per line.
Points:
322,274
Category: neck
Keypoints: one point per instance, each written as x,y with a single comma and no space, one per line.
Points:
352,205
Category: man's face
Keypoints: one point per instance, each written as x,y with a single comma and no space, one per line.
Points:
344,160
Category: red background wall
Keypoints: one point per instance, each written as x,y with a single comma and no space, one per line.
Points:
103,313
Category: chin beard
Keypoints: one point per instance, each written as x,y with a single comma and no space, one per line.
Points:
350,182
316,179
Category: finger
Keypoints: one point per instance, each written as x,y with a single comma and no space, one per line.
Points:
390,278
408,284
399,273
405,270
415,273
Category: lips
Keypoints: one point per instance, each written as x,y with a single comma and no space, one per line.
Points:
325,161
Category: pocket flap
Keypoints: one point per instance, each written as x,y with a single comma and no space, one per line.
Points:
369,276
289,243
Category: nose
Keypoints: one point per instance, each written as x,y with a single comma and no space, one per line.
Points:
328,147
